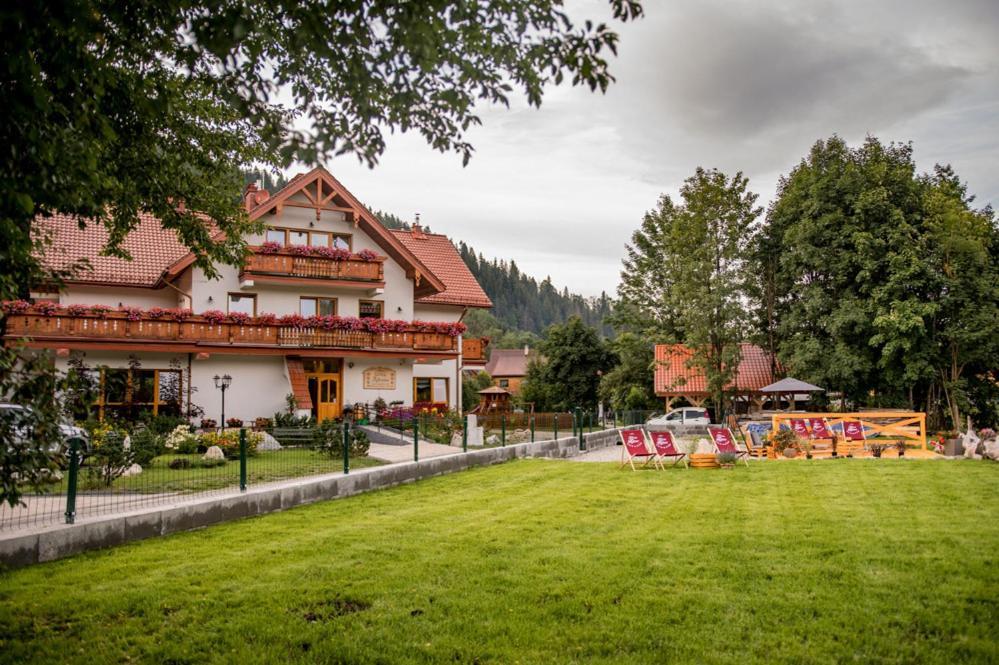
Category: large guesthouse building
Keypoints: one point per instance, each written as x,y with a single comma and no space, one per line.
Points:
331,307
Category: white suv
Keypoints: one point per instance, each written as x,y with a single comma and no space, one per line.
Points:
688,415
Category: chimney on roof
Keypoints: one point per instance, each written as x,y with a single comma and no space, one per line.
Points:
417,228
253,196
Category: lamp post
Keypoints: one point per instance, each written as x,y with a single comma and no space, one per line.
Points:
222,383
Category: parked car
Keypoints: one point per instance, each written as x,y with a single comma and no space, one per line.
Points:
67,430
687,415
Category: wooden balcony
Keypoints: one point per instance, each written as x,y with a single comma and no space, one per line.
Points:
473,350
63,330
289,267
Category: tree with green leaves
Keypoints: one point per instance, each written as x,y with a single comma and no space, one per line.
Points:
113,109
629,385
685,276
572,358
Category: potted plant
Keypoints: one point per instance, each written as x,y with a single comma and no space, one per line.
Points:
951,444
806,445
785,442
209,423
726,460
900,447
876,448
234,422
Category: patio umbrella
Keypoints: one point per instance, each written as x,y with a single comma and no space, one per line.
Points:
790,386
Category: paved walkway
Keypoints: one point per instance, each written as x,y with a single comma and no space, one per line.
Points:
611,454
393,454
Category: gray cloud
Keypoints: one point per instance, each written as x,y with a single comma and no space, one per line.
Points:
739,85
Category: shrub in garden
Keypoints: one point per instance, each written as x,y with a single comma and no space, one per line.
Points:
110,458
164,424
145,445
181,441
359,443
327,438
209,463
229,442
180,463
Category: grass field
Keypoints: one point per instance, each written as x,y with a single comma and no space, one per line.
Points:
549,561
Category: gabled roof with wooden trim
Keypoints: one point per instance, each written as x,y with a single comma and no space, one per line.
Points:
673,376
158,255
324,192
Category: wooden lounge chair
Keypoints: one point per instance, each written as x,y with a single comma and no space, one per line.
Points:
665,447
823,440
725,443
755,445
800,428
854,437
635,446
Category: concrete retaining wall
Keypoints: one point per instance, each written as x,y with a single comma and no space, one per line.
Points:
56,542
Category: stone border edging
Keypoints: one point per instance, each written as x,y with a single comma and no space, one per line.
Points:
59,541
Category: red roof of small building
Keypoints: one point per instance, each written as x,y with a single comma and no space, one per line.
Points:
508,362
672,375
438,253
153,250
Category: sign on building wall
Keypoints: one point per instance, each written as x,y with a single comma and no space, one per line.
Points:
379,378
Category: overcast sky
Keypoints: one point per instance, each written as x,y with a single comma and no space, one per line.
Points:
716,83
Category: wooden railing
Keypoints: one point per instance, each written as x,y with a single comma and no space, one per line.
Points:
314,267
196,330
473,349
908,426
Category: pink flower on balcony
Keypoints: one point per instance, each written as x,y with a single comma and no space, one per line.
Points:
292,321
78,310
100,311
155,313
131,313
46,308
312,322
367,255
240,318
352,323
300,250
265,319
178,314
16,306
270,247
213,316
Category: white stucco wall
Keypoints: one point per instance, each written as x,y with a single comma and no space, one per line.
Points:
353,380
259,386
79,294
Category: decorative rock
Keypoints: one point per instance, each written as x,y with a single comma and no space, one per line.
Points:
971,441
992,449
268,443
492,440
213,453
133,470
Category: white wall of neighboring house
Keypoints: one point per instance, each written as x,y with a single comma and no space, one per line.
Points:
448,369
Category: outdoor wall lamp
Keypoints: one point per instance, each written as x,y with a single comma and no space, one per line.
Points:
222,383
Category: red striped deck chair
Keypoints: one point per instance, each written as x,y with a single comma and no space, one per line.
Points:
853,431
725,443
665,447
800,428
822,437
636,448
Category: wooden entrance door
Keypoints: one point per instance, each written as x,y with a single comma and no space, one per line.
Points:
325,390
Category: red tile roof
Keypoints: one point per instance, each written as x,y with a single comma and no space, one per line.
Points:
439,255
508,362
673,376
153,250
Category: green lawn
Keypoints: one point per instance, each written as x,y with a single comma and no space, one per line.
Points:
541,561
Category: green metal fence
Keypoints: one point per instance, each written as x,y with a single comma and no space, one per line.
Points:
187,464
